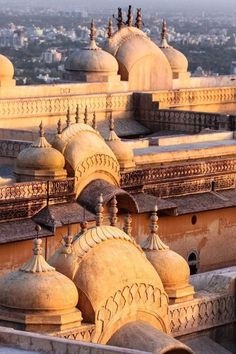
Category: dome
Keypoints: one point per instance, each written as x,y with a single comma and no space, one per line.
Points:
6,68
92,59
170,266
122,150
36,286
177,60
40,159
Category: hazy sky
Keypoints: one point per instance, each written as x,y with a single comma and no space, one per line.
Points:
161,5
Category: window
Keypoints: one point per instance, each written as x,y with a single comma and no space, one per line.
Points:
193,262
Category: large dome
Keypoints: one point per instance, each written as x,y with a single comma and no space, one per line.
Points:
6,68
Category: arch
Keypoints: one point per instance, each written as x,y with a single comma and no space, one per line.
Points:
193,262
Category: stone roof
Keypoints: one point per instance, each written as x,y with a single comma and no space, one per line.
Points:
147,202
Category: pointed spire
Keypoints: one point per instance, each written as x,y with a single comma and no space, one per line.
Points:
59,126
68,244
119,19
92,34
129,17
41,141
128,224
86,115
110,29
99,211
139,21
37,263
164,43
77,114
112,136
113,211
68,121
154,242
94,124
41,130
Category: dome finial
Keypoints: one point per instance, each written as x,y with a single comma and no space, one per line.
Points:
84,223
41,130
94,123
112,136
77,114
59,127
154,242
113,211
68,240
129,17
128,224
68,121
110,29
86,115
99,211
92,34
139,21
119,19
164,43
111,123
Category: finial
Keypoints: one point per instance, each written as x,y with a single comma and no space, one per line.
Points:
68,117
119,19
139,21
59,127
37,246
111,123
99,211
154,242
86,115
77,114
110,29
68,247
84,223
129,17
41,130
113,211
92,34
112,135
164,43
94,124
128,224
37,229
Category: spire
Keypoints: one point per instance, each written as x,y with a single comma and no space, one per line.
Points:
99,211
164,43
129,17
139,21
94,124
59,127
77,114
92,34
68,246
113,211
37,263
112,136
84,223
86,115
154,242
128,224
68,121
119,19
41,141
110,29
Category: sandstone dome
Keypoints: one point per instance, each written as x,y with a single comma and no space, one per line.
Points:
170,266
36,286
122,150
6,68
40,160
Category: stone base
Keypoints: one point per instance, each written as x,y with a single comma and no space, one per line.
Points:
31,175
179,295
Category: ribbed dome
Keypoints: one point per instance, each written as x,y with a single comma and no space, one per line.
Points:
122,151
177,60
170,266
37,286
6,68
40,156
92,59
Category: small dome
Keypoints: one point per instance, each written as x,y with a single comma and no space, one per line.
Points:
6,68
92,59
36,286
122,151
170,266
177,60
40,158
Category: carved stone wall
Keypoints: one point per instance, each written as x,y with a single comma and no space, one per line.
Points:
205,312
10,148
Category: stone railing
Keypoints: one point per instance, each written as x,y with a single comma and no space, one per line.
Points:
11,148
187,121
